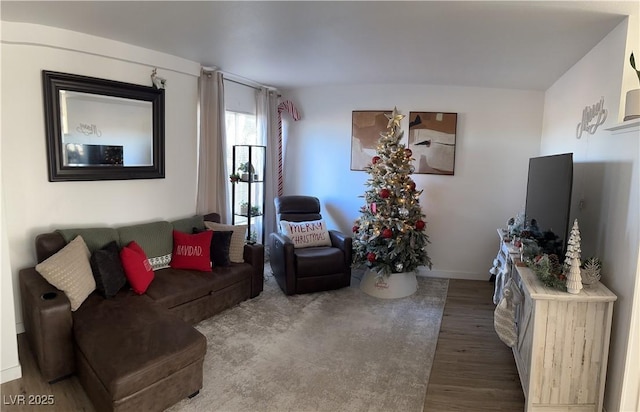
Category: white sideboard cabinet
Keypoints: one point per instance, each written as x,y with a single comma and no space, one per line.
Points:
563,344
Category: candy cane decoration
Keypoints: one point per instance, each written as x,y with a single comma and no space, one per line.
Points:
287,106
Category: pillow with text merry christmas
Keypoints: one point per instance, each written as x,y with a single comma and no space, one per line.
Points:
306,234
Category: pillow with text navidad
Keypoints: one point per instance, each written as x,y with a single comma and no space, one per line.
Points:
306,234
191,251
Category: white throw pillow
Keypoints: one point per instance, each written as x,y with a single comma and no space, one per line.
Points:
236,247
70,271
306,234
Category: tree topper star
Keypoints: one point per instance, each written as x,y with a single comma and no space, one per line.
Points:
394,118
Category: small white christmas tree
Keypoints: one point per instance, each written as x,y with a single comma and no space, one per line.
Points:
572,259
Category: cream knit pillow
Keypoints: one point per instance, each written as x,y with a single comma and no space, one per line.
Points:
70,271
236,248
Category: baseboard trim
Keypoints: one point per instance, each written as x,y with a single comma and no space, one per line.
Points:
423,271
12,373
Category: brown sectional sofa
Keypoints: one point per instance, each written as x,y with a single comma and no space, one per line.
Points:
133,352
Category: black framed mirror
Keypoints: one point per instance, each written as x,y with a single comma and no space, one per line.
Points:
101,129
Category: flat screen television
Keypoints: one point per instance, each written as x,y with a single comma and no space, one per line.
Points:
548,202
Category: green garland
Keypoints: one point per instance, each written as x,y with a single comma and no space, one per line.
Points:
548,269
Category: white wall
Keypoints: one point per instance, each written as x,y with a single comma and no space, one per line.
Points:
9,363
606,178
33,204
497,131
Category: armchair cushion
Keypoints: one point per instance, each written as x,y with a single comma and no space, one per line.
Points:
318,261
306,234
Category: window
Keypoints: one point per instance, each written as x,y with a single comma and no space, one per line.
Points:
241,129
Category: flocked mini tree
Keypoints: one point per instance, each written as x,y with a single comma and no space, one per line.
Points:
389,236
572,260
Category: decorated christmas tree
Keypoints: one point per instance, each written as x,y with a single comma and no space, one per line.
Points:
389,236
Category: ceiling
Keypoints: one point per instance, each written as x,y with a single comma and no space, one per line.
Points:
505,44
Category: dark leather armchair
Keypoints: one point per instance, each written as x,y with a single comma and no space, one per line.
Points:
310,269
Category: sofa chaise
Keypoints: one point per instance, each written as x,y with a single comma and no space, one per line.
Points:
133,351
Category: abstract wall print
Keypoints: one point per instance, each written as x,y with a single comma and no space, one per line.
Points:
365,132
432,139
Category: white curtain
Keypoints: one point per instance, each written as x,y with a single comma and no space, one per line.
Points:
266,111
212,168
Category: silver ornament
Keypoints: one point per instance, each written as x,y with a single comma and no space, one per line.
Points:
399,267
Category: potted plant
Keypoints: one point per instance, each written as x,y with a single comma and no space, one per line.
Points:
254,211
234,177
244,209
632,103
248,172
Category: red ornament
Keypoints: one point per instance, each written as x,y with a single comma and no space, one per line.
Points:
385,193
355,229
374,208
387,233
371,257
420,225
408,152
375,159
412,185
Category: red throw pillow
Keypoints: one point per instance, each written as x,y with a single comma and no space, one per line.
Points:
191,251
137,268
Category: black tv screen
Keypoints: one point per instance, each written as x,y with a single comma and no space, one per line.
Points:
548,201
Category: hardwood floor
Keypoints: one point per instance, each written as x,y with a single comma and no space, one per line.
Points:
473,370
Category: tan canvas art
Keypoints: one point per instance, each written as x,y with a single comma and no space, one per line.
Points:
432,139
365,132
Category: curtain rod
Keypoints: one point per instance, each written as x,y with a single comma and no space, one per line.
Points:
234,78
251,86
226,79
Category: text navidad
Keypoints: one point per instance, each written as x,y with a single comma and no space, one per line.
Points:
188,250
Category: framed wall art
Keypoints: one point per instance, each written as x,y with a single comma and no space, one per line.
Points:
432,139
365,132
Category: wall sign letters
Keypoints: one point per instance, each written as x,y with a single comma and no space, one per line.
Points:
587,124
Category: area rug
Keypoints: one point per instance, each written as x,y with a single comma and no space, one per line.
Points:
340,350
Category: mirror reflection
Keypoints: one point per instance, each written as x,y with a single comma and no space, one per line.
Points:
90,137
